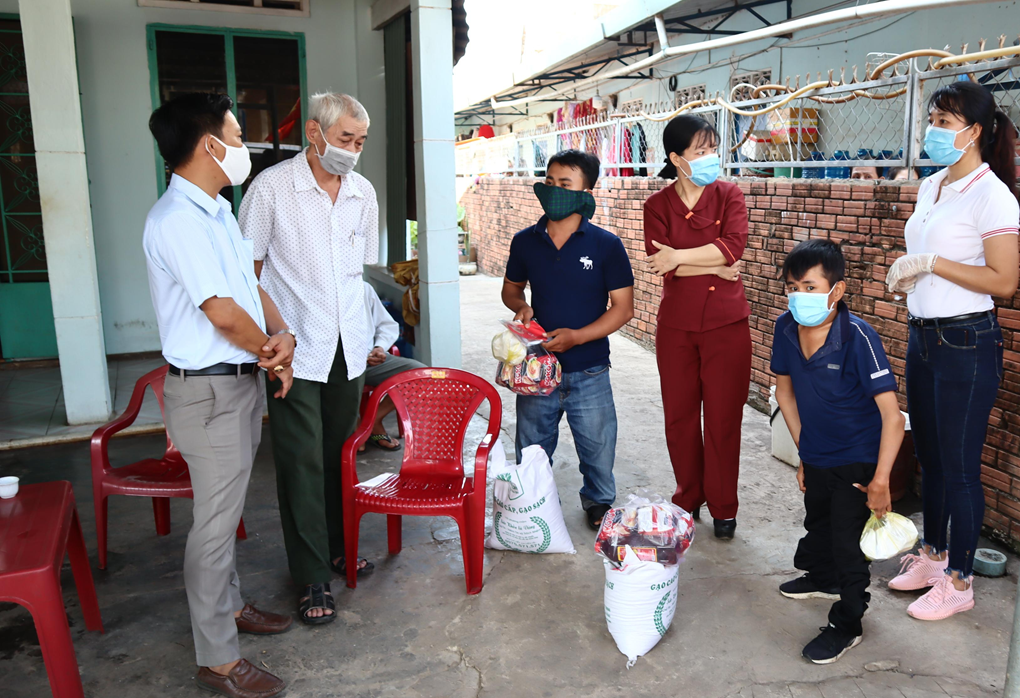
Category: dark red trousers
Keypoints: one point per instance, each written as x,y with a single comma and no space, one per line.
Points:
708,371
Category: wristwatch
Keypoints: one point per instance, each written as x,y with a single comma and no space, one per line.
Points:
290,332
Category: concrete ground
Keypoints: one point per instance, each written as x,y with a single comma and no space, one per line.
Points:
537,628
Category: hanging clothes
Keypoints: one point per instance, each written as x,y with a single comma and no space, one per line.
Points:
626,153
639,148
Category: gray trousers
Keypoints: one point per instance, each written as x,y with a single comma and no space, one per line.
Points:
216,423
374,375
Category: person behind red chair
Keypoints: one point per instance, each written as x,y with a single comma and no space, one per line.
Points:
381,365
695,233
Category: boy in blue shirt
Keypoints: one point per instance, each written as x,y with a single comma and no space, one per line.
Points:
575,269
838,397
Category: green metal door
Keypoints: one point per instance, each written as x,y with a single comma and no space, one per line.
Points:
26,312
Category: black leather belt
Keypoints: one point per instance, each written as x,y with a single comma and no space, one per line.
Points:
937,321
217,370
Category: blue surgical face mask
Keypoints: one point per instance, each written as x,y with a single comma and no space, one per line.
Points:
940,144
704,170
810,309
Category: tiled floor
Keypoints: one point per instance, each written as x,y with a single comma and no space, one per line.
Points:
32,402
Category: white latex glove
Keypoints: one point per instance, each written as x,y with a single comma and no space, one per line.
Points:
903,273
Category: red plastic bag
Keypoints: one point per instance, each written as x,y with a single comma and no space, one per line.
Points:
539,373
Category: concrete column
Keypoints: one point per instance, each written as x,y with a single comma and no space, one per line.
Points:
438,335
66,210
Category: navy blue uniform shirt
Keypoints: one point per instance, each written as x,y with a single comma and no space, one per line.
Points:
835,389
570,286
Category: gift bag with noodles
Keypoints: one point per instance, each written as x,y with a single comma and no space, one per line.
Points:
653,529
888,537
525,367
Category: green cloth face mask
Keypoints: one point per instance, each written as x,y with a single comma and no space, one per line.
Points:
558,203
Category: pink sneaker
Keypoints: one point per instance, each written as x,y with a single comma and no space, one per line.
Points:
942,600
918,571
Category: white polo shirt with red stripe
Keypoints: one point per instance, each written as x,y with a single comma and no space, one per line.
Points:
969,211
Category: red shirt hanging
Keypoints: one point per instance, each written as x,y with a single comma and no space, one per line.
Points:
700,303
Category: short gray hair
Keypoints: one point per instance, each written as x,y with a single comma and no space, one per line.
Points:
329,107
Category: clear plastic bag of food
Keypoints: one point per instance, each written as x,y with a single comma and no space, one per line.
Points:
525,367
888,537
655,529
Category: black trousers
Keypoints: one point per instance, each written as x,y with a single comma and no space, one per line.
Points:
830,552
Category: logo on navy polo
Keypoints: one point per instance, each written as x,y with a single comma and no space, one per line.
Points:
586,261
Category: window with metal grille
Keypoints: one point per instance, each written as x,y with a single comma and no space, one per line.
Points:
746,82
262,71
692,93
290,8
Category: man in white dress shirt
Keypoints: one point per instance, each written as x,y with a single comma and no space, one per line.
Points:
314,224
212,317
382,365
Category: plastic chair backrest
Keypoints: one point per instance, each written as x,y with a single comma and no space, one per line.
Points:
436,406
155,379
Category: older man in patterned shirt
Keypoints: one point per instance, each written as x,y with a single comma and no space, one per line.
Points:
314,224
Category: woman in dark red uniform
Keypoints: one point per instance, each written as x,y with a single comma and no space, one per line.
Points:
695,233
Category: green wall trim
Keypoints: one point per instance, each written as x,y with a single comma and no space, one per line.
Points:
26,335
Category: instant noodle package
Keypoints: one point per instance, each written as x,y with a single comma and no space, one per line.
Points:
525,367
656,531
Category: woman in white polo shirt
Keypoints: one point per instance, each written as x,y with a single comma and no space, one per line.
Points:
961,251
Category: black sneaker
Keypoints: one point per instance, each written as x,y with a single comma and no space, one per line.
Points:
804,588
832,644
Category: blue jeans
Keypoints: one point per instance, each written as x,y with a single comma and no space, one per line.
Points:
953,374
587,398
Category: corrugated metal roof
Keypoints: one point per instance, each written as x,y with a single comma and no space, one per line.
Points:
460,30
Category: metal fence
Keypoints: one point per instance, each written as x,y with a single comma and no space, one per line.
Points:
822,133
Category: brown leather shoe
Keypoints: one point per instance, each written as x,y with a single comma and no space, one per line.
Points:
257,622
245,680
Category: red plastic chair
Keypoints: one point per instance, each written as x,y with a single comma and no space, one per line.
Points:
38,528
366,393
435,407
157,478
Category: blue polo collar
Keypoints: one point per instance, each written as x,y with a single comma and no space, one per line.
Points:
541,228
200,198
838,333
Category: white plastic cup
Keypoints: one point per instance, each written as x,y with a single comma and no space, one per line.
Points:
8,487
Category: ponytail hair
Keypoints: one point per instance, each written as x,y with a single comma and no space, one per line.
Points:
973,102
678,136
1000,151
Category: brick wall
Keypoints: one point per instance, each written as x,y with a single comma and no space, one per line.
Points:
866,218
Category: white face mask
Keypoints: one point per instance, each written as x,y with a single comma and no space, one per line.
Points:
236,164
335,160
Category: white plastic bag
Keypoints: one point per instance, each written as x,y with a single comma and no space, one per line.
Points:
640,602
507,347
888,537
526,506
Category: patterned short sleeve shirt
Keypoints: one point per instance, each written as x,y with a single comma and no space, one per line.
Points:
313,251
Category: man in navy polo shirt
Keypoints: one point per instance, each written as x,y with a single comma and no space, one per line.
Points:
575,269
838,397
